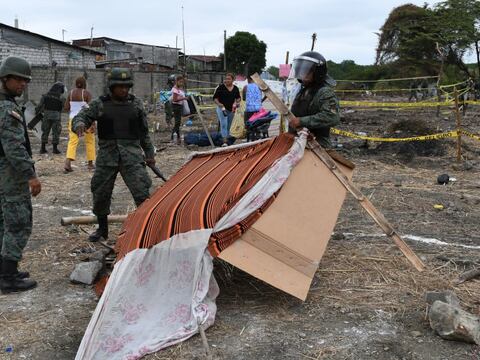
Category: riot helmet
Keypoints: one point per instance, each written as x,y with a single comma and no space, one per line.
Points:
119,76
309,62
16,66
171,80
57,89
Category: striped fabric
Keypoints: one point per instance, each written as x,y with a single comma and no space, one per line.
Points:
200,193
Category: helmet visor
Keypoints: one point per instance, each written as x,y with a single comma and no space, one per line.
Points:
302,66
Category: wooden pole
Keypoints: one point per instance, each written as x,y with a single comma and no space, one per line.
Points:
203,122
87,220
459,126
440,72
322,154
282,118
224,50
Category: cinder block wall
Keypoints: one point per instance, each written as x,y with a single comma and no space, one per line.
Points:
146,83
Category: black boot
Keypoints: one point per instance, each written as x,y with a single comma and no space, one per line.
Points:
102,231
9,282
55,149
20,274
43,149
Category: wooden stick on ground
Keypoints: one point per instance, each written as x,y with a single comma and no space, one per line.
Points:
322,154
204,341
87,220
466,276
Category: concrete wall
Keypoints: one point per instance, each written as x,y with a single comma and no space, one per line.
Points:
146,83
40,52
119,50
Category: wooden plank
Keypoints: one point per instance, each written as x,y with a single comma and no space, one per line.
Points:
322,154
280,252
203,122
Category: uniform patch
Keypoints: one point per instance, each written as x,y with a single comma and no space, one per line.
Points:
15,115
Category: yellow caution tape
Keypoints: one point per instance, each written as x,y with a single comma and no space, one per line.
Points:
445,135
470,135
372,90
452,85
201,82
419,104
388,80
202,88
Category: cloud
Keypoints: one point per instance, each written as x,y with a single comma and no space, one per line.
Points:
345,30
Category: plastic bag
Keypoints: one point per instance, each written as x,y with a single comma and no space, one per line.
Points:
186,108
237,130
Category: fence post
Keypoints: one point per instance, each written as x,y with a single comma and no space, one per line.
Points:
459,126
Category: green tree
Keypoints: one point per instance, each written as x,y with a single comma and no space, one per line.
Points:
273,70
408,40
420,40
245,53
458,24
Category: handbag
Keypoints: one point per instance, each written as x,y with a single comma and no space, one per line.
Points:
237,129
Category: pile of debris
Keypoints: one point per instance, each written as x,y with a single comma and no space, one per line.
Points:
449,320
407,151
93,263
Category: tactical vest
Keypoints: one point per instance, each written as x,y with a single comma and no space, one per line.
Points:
119,120
4,97
301,107
53,103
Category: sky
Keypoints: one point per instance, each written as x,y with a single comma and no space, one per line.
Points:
345,29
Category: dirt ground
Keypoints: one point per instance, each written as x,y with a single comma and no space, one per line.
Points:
366,301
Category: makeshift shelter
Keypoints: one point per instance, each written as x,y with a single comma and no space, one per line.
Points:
243,204
247,204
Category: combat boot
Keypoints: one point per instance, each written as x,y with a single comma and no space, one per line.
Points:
55,149
20,274
43,148
9,282
102,231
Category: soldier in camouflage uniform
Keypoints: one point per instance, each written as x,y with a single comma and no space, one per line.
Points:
18,180
315,107
51,104
124,145
168,103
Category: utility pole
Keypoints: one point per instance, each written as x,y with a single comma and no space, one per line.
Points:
176,47
184,51
314,40
91,36
225,50
204,61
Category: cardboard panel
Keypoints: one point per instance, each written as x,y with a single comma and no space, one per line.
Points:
284,247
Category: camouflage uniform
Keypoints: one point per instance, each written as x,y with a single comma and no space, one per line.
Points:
52,119
16,168
318,111
116,154
168,103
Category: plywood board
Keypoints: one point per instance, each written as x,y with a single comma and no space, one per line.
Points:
284,247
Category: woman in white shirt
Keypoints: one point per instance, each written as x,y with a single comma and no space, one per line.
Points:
76,100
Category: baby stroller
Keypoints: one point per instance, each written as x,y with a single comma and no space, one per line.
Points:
257,126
